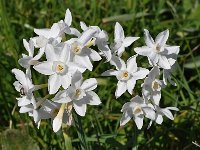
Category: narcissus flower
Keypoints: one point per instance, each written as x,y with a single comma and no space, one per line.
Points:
136,109
79,94
120,41
127,74
158,52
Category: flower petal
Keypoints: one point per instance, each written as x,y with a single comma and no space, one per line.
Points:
119,32
94,56
50,53
131,64
125,118
65,54
129,40
110,72
66,81
140,74
162,37
83,61
86,36
144,50
118,63
148,39
121,88
68,17
159,119
54,83
89,84
139,122
93,98
167,113
131,85
80,107
44,67
164,63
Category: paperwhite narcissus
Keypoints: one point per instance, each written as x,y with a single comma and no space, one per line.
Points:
30,59
136,109
127,75
100,39
158,52
79,94
151,88
120,41
58,67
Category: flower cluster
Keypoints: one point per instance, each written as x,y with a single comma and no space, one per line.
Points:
64,60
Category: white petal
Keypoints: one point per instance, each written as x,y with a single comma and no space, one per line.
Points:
89,84
65,54
66,81
54,83
83,61
129,40
120,50
86,36
163,62
68,17
167,113
144,50
23,101
159,119
80,107
74,31
39,55
43,32
27,108
54,31
131,85
118,63
139,122
155,71
172,49
172,108
105,50
94,56
50,53
131,64
125,118
121,88
162,37
156,96
110,72
148,39
149,113
77,79
83,26
20,76
93,98
57,122
119,32
24,62
140,74
44,67
62,97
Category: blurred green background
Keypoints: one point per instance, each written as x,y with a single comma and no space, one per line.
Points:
101,123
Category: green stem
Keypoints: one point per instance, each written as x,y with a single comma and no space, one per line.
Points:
80,132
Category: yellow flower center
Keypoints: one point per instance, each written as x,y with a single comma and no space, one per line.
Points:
158,48
125,74
76,48
137,109
155,85
78,92
59,68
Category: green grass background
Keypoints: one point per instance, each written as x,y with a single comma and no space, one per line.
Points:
101,123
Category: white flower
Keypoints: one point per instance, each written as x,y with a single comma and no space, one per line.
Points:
79,93
57,112
100,39
151,89
120,41
136,109
30,59
80,53
126,74
158,52
160,112
58,67
24,83
65,25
